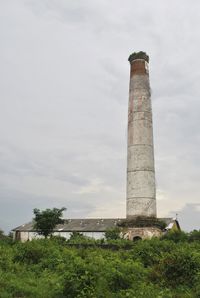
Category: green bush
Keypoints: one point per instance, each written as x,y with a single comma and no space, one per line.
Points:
4,239
176,236
179,267
149,252
112,233
54,268
79,238
30,252
194,236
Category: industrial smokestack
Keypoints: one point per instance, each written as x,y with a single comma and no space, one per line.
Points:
141,193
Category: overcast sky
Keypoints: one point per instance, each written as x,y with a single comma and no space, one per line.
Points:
64,80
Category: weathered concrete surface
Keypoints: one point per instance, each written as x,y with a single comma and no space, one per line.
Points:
141,196
142,233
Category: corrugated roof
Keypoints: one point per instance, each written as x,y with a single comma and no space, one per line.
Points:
83,225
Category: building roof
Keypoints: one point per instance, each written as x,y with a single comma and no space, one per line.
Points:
84,225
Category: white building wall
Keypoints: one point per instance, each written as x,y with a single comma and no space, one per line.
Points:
28,236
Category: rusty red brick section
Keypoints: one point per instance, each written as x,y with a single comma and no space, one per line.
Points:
138,67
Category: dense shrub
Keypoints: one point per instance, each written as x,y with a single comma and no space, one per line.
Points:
194,236
4,239
79,238
30,253
112,233
150,252
176,236
54,268
180,267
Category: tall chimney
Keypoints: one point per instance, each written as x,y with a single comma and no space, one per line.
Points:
141,194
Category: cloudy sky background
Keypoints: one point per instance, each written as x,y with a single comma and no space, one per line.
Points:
64,79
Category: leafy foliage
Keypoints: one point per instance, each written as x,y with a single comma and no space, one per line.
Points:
181,267
143,222
46,220
194,236
5,238
112,233
79,238
138,55
176,236
52,268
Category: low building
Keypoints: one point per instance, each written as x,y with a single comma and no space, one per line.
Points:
95,228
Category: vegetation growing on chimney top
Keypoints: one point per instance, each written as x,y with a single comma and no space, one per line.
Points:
138,55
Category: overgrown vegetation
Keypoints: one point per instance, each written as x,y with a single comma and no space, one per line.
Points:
138,55
113,233
143,222
52,268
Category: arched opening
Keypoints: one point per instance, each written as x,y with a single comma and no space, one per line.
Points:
137,238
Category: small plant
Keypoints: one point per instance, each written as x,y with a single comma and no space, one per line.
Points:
138,55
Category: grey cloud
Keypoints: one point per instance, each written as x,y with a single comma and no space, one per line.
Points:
17,162
64,92
73,12
189,217
17,207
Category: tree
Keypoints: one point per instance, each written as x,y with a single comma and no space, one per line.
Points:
46,220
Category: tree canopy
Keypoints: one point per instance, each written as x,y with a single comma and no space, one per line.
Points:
46,220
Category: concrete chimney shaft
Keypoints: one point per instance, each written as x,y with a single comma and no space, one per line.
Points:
141,193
